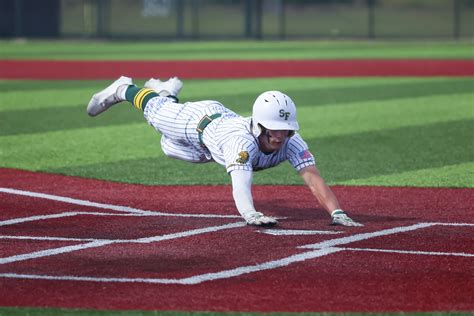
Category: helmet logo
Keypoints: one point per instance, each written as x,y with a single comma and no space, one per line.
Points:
284,114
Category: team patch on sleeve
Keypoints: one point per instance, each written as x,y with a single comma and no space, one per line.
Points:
243,157
305,154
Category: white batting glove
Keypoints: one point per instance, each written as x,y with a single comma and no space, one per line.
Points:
258,219
338,217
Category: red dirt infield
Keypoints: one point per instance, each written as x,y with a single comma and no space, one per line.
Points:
216,69
81,243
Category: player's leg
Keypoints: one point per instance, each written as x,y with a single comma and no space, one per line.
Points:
176,122
161,111
139,97
158,103
169,88
111,95
123,89
183,151
120,90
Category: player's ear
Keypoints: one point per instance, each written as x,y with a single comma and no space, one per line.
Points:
263,130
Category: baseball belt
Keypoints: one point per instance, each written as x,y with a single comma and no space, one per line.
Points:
203,123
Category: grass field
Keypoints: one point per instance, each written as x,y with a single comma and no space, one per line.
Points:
362,131
239,50
392,131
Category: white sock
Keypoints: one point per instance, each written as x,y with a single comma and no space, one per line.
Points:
120,93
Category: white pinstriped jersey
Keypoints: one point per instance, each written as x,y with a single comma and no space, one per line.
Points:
228,139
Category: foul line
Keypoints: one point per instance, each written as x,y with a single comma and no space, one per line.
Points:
324,248
117,208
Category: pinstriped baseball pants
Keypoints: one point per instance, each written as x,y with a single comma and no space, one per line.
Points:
177,124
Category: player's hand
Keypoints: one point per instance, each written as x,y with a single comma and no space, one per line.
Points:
258,219
338,217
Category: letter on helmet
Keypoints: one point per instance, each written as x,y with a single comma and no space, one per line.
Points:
275,111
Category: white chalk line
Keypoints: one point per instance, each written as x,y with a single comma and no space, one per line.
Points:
190,280
117,208
411,252
325,248
298,232
47,238
53,251
20,220
455,224
364,236
358,237
100,243
93,243
143,240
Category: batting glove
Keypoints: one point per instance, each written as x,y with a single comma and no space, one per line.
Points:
258,219
340,218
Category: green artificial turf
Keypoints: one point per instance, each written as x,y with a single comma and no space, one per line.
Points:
362,131
236,50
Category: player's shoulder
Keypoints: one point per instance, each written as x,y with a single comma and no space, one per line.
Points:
236,125
243,140
240,135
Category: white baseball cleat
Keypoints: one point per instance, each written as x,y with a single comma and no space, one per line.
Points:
104,99
340,218
258,219
171,86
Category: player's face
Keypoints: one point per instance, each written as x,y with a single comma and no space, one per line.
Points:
273,140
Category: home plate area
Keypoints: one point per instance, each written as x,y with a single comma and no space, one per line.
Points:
69,250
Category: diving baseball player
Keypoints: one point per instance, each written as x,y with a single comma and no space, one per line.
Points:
207,131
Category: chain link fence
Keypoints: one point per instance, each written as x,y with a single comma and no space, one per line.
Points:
240,19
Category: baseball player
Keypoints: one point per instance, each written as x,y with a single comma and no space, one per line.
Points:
207,131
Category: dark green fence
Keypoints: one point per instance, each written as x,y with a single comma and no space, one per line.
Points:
238,19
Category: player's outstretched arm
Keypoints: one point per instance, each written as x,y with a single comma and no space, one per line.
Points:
325,196
242,193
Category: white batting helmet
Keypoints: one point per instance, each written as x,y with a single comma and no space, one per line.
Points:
274,110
